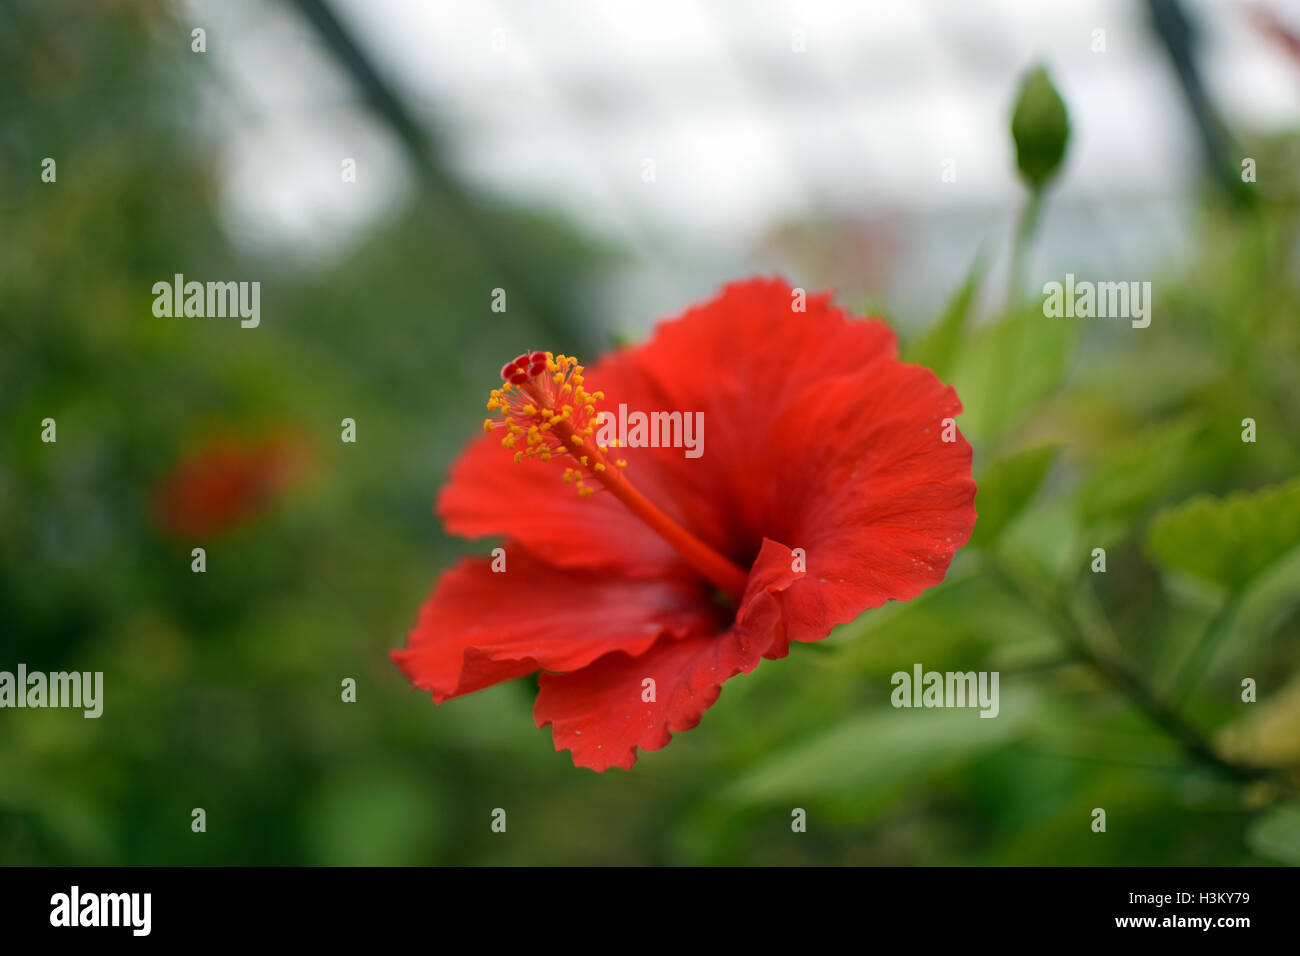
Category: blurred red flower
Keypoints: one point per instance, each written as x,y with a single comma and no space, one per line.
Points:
639,602
228,481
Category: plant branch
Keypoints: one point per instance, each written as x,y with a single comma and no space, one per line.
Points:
1121,675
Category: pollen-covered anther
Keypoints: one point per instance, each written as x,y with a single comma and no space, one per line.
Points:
548,412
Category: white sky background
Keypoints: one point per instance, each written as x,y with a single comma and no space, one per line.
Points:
557,103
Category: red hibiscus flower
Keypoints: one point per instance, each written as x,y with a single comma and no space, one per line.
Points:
226,482
638,579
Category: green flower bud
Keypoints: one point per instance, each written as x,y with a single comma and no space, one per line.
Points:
1040,127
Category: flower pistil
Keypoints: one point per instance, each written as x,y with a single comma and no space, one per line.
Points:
547,412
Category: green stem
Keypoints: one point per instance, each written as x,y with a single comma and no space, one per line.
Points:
1024,237
1007,359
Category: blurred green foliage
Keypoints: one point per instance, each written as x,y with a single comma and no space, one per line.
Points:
223,689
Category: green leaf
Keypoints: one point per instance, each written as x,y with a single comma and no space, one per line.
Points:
1135,472
937,347
1006,370
1276,835
869,756
1005,488
1227,541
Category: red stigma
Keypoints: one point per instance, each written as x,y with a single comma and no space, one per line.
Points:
525,366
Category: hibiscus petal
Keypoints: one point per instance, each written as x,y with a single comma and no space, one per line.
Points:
480,627
600,712
879,511
739,360
489,494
